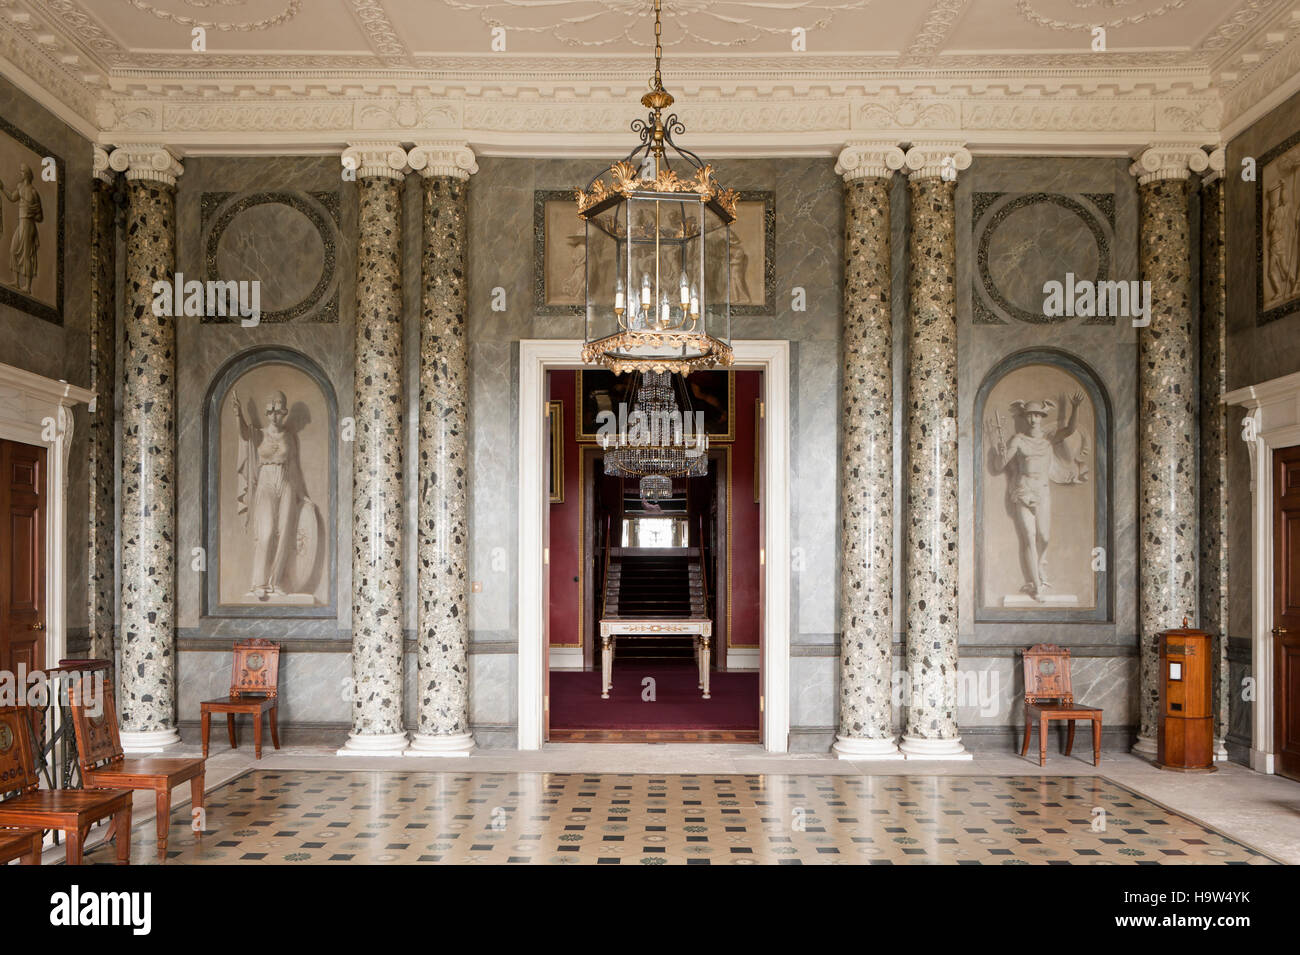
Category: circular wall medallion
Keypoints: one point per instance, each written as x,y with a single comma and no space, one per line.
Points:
255,661
1046,667
1034,239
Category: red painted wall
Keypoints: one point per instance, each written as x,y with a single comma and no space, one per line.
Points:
745,603
565,610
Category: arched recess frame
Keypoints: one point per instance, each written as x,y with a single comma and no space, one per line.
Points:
1103,481
222,381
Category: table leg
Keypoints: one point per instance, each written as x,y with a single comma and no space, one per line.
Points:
163,818
1042,741
1096,741
704,665
205,721
1069,739
606,664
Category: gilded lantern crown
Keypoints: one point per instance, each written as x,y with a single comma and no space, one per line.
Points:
659,251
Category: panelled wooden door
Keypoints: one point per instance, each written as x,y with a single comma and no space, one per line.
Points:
1286,609
22,557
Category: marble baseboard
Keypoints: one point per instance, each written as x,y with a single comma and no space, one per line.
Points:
486,735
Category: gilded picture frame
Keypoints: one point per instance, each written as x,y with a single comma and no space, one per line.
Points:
555,420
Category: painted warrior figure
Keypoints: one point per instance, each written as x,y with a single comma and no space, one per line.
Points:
271,495
23,248
1035,461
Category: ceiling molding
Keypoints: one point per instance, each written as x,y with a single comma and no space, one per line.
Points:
579,102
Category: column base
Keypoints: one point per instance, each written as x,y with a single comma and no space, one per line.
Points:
386,744
1146,746
461,744
914,747
859,748
1220,751
148,741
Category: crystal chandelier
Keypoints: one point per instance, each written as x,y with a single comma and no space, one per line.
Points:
658,252
661,439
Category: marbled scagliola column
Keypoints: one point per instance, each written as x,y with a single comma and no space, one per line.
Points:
443,522
1214,438
930,471
377,605
101,469
867,458
1166,417
146,702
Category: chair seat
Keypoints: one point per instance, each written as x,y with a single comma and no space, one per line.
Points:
57,808
240,704
1064,711
16,843
144,773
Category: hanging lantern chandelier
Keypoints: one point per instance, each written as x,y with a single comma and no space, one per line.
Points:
662,438
658,251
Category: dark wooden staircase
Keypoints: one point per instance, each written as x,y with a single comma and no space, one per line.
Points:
653,584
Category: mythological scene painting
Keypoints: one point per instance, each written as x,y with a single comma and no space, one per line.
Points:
1279,237
30,210
273,475
561,256
1039,501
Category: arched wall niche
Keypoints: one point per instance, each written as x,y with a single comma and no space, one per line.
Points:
1043,451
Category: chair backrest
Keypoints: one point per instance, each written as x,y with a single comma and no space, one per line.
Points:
17,764
1047,674
98,740
256,669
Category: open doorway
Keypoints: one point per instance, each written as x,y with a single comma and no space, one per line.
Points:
653,610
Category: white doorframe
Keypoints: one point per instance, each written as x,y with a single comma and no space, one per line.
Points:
536,357
38,411
1274,412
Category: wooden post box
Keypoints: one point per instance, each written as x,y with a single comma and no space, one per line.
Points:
1186,737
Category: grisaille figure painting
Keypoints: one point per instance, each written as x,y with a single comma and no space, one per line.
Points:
1279,233
274,481
30,210
1039,511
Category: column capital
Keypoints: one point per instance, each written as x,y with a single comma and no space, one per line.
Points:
1168,161
860,160
376,160
1218,160
100,168
442,159
147,161
939,158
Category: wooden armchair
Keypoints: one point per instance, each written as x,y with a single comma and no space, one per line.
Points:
103,765
1049,696
24,844
71,811
254,688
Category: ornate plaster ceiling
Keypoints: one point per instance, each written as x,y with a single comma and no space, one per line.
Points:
310,75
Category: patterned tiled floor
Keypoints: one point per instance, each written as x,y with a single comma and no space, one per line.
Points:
312,817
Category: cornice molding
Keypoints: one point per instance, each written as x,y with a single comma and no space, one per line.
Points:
860,160
734,103
1168,161
146,161
442,159
376,160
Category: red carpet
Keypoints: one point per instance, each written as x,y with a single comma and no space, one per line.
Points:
576,702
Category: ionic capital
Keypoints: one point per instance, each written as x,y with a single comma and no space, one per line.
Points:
100,168
942,159
376,160
1168,161
860,160
442,159
146,161
1218,161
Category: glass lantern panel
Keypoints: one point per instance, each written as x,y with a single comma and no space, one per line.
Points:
602,272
